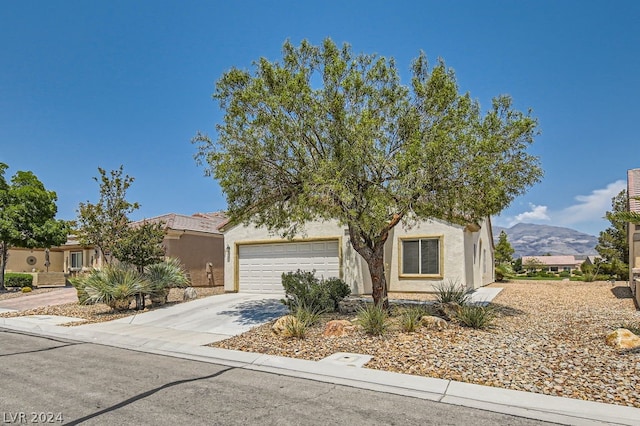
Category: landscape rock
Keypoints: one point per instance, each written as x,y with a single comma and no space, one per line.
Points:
338,328
350,305
190,293
623,339
431,321
279,328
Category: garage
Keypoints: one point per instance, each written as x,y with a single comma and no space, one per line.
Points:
260,266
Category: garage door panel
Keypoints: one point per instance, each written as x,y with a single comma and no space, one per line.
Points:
261,266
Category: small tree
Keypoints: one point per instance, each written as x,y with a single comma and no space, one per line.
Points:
27,216
613,246
532,264
503,249
327,134
103,224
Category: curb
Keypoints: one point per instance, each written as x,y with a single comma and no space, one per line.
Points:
518,403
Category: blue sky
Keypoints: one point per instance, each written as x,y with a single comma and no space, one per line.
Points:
88,84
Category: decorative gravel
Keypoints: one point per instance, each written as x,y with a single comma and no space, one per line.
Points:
549,338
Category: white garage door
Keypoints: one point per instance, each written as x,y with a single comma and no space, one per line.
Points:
260,266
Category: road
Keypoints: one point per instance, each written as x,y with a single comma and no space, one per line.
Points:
54,381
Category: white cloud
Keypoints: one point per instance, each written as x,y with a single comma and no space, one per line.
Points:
537,213
590,207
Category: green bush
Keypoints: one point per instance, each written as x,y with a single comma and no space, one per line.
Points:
373,319
78,284
13,279
303,288
26,289
410,318
476,316
565,274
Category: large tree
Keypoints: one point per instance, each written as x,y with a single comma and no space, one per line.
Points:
103,224
27,216
327,134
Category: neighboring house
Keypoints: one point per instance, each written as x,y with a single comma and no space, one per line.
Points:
195,240
553,263
633,231
198,243
417,259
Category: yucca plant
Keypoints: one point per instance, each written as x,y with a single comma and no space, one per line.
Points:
451,291
476,316
373,319
163,276
410,318
115,286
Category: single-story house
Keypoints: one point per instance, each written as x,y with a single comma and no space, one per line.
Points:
195,240
633,231
198,243
552,263
417,259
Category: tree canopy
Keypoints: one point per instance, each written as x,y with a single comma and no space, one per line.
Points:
613,245
27,216
503,250
104,223
329,134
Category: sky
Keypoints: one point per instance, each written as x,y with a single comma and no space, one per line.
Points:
104,83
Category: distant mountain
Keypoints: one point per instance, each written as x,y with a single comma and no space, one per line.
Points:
536,240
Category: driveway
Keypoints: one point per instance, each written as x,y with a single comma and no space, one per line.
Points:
59,296
199,322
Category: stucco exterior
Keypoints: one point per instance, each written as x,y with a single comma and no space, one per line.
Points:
201,254
633,232
466,254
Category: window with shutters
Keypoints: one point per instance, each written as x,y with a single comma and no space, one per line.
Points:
421,256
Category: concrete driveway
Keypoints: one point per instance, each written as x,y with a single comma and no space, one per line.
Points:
200,321
58,296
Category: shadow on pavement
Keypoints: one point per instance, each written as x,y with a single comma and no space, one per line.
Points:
622,292
256,312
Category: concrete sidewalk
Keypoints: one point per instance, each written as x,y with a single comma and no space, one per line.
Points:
181,330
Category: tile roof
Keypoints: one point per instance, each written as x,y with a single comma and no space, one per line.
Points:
199,222
551,260
633,189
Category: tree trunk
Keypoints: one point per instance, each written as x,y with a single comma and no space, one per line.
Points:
4,255
378,278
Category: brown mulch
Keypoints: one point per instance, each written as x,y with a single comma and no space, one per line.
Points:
549,338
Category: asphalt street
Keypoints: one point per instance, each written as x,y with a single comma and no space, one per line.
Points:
58,381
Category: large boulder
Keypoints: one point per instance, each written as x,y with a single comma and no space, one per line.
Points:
623,339
338,328
283,324
430,321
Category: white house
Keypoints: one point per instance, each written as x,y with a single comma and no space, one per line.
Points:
416,259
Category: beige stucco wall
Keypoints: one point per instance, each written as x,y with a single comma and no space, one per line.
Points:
354,270
195,251
17,261
457,261
634,260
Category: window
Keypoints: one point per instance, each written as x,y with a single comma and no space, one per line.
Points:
421,256
76,260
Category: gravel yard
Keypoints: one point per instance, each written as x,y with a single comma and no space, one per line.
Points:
548,338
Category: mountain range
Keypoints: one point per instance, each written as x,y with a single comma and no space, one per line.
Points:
529,239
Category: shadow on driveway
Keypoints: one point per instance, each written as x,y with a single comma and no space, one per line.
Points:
256,312
622,292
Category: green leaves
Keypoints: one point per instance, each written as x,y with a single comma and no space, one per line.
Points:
329,134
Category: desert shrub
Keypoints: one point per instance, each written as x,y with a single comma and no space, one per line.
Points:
577,272
307,314
451,291
26,289
303,288
13,279
373,319
163,276
115,286
78,284
476,316
634,328
410,318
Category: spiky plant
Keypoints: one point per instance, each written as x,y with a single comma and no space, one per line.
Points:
163,276
115,286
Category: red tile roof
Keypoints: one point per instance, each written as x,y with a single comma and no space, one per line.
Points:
199,222
551,260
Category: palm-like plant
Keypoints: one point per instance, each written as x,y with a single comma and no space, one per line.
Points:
115,286
163,276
